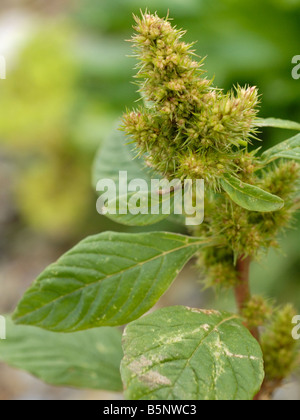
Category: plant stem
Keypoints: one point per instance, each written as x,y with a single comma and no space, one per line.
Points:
267,390
242,291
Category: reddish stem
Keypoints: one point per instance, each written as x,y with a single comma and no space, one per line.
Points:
242,291
242,295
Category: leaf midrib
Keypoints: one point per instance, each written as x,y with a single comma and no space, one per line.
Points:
214,329
19,319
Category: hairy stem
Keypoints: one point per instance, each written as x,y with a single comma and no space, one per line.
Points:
242,291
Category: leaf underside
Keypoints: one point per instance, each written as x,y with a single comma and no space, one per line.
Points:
117,155
278,123
289,149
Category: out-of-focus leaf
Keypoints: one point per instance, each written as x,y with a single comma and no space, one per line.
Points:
115,158
289,149
89,359
277,123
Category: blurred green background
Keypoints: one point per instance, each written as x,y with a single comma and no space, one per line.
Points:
68,80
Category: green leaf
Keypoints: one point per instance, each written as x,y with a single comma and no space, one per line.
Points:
277,123
179,353
89,359
117,155
107,279
145,216
289,149
250,197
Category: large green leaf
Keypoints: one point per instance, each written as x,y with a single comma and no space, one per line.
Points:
107,279
250,197
277,123
116,156
179,353
88,359
289,149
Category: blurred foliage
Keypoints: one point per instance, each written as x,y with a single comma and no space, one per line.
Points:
245,42
52,188
36,98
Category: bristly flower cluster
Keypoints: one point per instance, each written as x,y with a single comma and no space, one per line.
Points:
188,129
243,232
